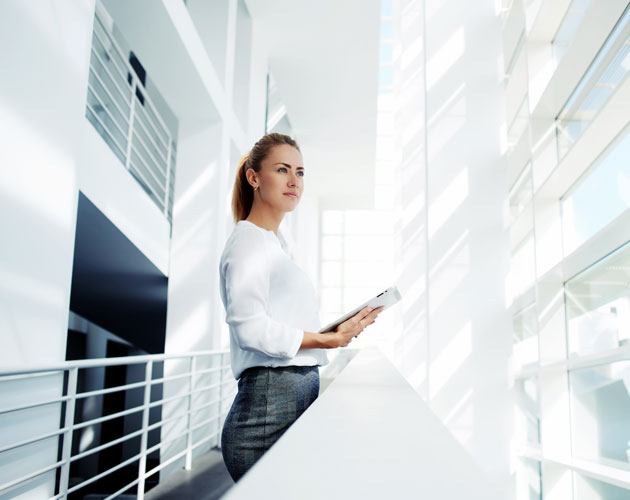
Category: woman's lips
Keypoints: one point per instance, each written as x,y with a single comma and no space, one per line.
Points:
292,195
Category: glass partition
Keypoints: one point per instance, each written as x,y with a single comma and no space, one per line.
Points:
609,68
584,210
524,326
568,28
587,488
600,413
528,483
528,410
598,306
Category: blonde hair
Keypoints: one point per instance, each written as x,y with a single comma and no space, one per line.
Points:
243,192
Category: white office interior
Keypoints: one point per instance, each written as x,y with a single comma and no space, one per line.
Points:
474,154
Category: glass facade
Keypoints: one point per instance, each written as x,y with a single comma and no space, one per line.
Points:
584,210
609,68
569,217
598,306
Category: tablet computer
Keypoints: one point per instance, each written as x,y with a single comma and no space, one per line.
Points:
387,298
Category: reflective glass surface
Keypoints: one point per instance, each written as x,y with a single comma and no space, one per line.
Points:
600,413
598,306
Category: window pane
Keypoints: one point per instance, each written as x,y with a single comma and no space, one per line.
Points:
608,69
386,76
525,351
587,488
367,248
331,247
522,267
602,195
366,274
598,306
387,52
331,274
521,193
518,125
387,8
332,222
369,222
387,30
600,413
527,411
528,479
568,28
331,303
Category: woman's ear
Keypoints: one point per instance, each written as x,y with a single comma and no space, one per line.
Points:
251,178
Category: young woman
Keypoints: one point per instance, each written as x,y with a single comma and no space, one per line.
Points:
271,307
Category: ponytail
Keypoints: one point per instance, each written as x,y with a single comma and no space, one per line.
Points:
243,192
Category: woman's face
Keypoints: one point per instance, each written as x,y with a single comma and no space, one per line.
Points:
281,178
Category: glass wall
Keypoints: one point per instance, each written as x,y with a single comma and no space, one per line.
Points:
584,210
598,306
606,72
568,155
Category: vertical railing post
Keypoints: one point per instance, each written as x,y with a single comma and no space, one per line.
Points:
189,420
132,113
67,435
220,406
144,437
168,176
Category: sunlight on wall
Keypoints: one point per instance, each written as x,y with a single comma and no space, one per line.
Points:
445,57
37,171
445,283
446,364
445,205
449,255
205,178
187,239
445,129
186,335
455,103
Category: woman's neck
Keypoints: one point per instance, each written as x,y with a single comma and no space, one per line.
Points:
266,219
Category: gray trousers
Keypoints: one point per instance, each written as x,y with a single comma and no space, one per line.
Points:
268,401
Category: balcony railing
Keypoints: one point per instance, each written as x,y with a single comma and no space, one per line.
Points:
119,107
183,400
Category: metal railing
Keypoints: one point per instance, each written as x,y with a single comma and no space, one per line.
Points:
121,110
183,398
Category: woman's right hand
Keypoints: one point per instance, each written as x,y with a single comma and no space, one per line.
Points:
352,327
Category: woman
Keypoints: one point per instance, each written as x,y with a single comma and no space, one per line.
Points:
271,307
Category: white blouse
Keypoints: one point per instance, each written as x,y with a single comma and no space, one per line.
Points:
269,302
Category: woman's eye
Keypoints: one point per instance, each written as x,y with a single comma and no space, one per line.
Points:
300,172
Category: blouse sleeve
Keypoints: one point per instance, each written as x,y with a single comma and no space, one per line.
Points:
247,275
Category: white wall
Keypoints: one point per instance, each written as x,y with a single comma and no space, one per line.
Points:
44,55
116,193
469,327
454,246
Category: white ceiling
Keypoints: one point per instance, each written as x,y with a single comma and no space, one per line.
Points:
324,57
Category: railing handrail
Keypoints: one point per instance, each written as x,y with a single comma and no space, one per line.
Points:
143,128
132,72
213,404
98,362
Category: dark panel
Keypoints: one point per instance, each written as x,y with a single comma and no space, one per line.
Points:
114,285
